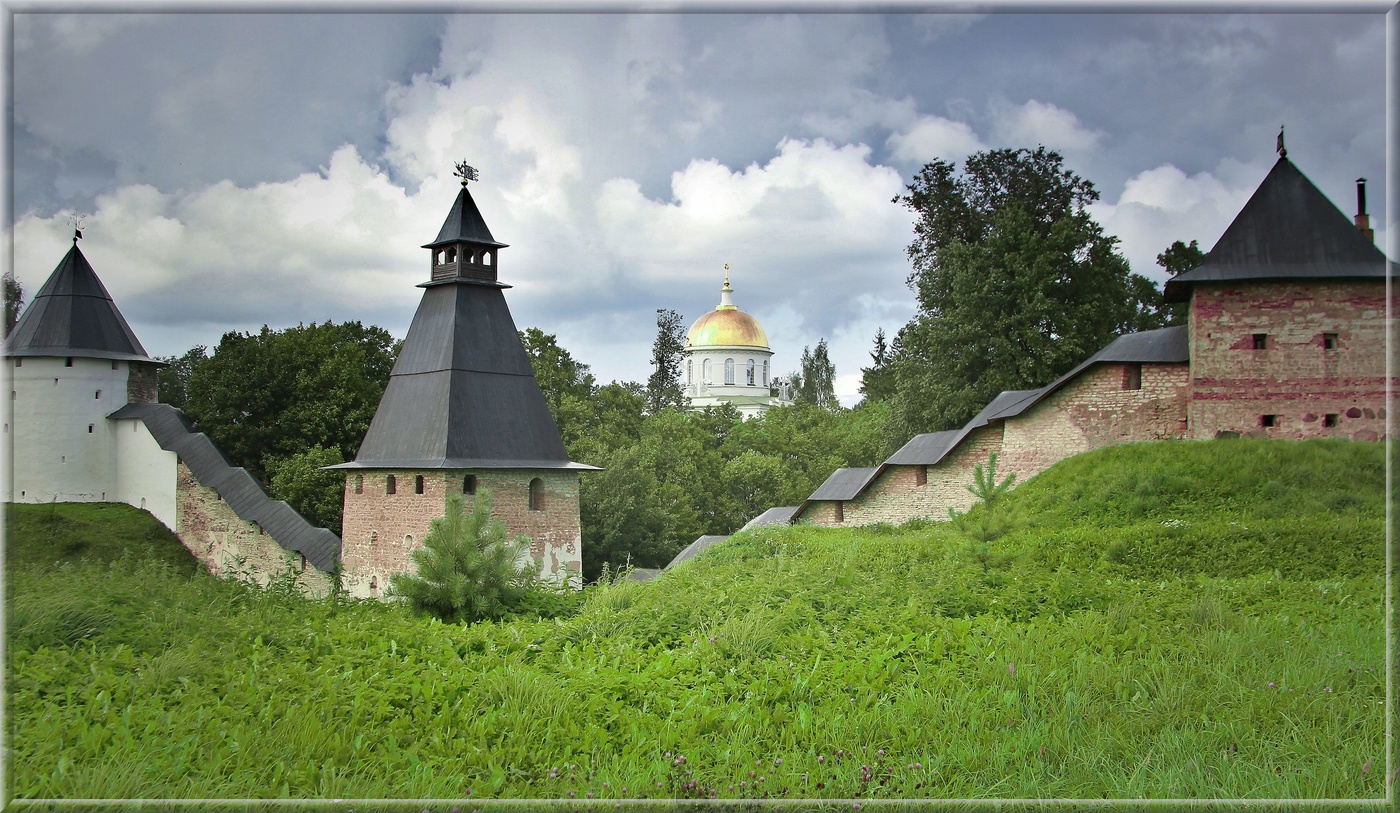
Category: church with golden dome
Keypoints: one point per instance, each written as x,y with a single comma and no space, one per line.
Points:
728,361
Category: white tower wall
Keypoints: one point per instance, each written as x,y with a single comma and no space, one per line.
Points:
63,447
146,473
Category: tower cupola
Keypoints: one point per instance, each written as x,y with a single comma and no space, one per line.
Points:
464,250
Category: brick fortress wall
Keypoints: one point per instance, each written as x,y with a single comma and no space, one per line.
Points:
382,530
1319,370
230,546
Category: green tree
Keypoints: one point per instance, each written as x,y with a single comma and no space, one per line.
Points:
664,386
173,380
1016,284
566,383
990,518
468,569
316,494
14,301
877,381
275,394
1180,257
816,383
623,517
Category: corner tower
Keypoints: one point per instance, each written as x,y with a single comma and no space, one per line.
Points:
461,412
73,360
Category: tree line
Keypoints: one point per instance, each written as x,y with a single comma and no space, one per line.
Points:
1015,284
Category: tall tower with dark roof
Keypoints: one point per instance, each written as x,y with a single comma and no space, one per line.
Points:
462,411
73,360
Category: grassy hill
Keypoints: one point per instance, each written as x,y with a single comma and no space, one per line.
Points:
1175,620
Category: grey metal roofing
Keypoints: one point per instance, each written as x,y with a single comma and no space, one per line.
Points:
1168,345
644,574
464,224
694,548
173,431
924,450
1287,230
73,315
773,516
844,484
462,393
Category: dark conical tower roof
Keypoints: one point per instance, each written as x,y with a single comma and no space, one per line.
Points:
73,315
1287,230
464,224
462,394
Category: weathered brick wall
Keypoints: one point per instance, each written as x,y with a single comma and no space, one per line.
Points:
895,496
142,382
1095,410
229,546
382,530
1296,378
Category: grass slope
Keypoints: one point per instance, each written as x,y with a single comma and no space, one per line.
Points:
1177,620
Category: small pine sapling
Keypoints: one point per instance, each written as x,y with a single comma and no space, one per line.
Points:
468,569
989,518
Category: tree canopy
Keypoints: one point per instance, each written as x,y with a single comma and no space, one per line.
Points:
14,301
1015,283
816,383
278,393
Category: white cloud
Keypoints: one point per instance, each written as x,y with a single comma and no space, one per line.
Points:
1159,206
933,137
1037,122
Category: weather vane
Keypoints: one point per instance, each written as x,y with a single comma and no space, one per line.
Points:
466,173
1282,153
76,221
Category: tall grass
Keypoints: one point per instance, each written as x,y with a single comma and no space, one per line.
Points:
782,664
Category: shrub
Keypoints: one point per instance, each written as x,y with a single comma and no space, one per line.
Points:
468,570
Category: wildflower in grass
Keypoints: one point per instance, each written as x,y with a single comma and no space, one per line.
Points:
1366,768
777,762
1011,668
1327,688
1271,684
821,759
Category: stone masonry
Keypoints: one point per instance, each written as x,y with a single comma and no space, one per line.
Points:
382,529
1289,360
230,546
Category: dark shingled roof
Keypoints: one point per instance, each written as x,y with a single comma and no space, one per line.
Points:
694,548
73,315
924,450
773,516
1287,230
464,224
174,432
462,394
844,484
643,574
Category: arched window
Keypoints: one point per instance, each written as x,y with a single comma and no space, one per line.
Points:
537,494
689,371
705,371
729,371
765,372
452,255
749,373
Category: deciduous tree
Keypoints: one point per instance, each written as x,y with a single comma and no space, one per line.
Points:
278,393
173,380
14,301
1016,284
816,383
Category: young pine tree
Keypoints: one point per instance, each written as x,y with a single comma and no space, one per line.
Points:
468,570
985,523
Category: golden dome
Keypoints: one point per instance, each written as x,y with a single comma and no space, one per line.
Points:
726,327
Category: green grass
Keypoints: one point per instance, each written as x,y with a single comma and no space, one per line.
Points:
1104,659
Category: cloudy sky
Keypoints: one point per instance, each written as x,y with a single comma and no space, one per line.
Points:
235,170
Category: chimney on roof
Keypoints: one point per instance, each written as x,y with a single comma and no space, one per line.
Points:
1363,220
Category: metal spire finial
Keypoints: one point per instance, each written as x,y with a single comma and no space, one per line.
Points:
726,275
76,221
466,173
1282,152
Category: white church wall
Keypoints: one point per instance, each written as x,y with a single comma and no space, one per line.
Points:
145,475
63,446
